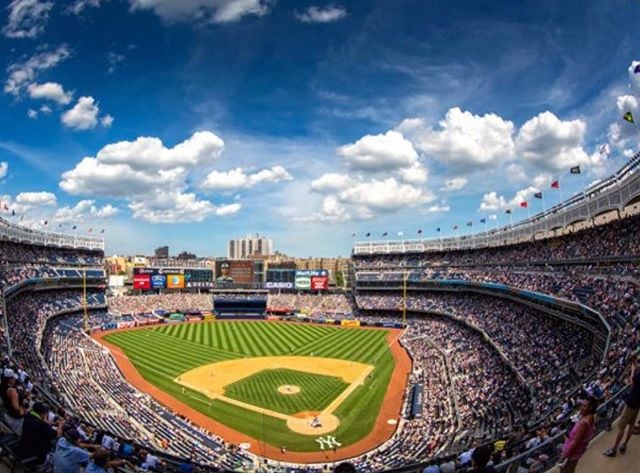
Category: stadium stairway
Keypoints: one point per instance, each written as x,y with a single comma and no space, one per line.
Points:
594,461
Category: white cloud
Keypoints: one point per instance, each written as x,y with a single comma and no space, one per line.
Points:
137,167
115,59
50,91
23,74
177,207
27,18
493,217
493,201
349,198
106,211
237,178
315,14
516,173
80,5
31,113
106,121
4,168
46,110
455,184
379,152
83,115
542,181
463,139
416,174
438,208
215,11
331,182
154,179
551,144
36,199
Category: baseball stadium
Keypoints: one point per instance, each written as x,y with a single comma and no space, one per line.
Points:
405,236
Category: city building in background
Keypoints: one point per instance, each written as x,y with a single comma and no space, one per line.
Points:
249,247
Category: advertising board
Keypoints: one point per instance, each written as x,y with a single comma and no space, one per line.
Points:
158,281
305,279
319,283
278,285
116,281
142,281
175,281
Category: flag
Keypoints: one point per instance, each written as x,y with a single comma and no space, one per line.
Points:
575,170
628,117
102,231
385,234
438,229
368,234
469,224
90,230
538,195
555,185
508,211
21,218
59,225
45,222
524,205
74,227
400,233
636,70
483,220
604,149
13,213
455,227
420,231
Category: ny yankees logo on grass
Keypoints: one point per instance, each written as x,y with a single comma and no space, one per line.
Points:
328,442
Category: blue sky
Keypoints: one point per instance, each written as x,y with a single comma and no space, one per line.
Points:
189,122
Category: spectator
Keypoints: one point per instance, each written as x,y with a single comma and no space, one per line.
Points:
480,459
69,457
12,401
37,434
627,420
579,436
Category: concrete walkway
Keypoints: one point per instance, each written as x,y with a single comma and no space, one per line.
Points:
595,462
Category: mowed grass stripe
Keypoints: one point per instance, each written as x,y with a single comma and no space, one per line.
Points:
192,347
248,344
175,348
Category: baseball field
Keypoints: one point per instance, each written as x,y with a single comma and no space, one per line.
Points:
304,387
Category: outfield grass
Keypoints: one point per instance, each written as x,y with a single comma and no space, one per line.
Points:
261,389
162,353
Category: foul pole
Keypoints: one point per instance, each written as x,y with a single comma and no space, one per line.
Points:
84,299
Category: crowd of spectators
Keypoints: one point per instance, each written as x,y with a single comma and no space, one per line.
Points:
167,302
312,304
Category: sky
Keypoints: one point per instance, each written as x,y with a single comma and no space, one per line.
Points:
191,122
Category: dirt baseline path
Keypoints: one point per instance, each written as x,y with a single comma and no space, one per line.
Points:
382,430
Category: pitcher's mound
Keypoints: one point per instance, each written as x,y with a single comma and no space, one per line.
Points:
288,389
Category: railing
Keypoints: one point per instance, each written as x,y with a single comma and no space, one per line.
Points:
16,233
613,193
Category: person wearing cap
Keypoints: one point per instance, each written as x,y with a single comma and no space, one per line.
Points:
37,434
69,455
13,412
